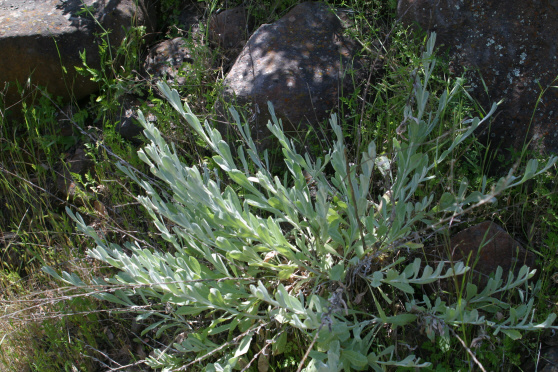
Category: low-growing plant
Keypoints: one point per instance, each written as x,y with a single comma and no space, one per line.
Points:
253,258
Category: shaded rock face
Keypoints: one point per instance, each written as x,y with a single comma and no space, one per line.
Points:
512,45
189,17
228,29
489,246
228,32
37,38
300,63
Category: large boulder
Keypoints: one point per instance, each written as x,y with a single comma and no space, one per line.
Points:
300,63
507,46
42,39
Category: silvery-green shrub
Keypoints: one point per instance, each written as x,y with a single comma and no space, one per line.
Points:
254,257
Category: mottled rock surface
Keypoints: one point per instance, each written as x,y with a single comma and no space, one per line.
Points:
489,246
39,39
512,47
300,63
165,60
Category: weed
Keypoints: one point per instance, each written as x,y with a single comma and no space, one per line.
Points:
36,231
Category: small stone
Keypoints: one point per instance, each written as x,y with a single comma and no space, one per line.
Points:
79,163
165,60
128,127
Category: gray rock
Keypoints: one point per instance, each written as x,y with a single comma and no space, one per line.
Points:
41,39
510,45
300,63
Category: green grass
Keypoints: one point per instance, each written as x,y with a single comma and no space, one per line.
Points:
38,328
